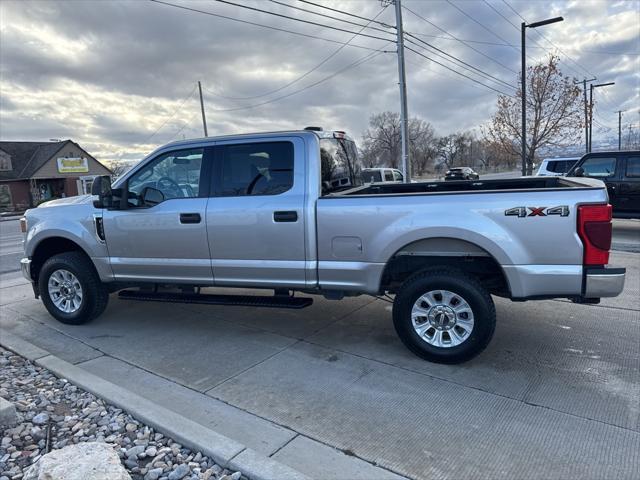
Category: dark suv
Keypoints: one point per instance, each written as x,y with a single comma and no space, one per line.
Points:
620,171
461,173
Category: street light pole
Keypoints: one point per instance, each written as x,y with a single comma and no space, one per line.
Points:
523,82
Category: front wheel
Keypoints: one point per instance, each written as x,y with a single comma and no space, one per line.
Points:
71,289
444,315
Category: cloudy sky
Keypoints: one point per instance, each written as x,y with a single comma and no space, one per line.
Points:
119,77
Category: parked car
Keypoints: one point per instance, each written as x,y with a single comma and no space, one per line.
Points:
556,166
620,171
461,173
288,211
382,175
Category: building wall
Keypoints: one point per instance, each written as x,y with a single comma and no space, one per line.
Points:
20,198
50,169
71,186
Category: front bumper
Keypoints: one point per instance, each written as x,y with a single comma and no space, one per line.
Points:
603,282
25,266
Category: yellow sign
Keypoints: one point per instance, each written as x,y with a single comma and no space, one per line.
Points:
73,165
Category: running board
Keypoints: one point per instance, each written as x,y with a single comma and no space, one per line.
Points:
209,299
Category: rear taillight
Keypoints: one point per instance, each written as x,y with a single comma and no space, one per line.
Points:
594,229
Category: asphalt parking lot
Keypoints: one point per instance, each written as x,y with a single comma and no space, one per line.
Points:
331,391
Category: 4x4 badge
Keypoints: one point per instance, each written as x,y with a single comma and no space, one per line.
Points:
562,210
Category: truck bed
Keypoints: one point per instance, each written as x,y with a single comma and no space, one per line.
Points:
470,186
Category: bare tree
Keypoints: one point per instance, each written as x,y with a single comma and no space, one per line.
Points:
554,113
118,168
422,145
382,138
382,142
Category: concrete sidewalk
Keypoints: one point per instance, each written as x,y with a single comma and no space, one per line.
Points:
330,391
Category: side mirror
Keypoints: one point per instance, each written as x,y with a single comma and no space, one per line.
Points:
578,172
152,197
102,188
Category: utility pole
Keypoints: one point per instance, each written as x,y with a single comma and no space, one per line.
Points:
592,87
523,96
619,129
404,116
204,119
586,116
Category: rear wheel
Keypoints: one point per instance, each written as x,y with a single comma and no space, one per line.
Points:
71,289
444,315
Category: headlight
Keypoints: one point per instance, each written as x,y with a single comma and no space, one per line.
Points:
23,225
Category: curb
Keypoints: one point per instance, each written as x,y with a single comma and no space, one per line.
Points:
226,452
8,417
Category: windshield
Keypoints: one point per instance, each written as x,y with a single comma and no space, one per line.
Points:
341,167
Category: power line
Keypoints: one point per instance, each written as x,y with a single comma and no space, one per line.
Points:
446,74
172,115
358,62
188,122
453,37
480,23
333,54
335,18
344,13
499,44
549,41
469,66
460,73
500,13
270,27
255,9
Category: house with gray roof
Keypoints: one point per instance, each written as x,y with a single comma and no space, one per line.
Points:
33,172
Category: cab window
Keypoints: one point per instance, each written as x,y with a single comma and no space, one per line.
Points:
599,166
175,174
633,167
388,176
397,176
256,169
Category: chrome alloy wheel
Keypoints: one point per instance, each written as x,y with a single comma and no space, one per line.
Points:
65,291
442,318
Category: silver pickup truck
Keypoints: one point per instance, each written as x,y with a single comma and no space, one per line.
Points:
287,212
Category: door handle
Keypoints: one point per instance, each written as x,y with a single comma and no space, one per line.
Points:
287,216
190,218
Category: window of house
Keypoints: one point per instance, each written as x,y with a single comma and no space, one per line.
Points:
256,169
5,162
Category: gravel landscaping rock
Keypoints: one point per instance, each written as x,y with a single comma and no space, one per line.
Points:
53,413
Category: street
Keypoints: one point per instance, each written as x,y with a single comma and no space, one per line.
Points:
10,245
555,395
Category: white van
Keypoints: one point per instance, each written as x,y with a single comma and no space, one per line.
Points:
556,166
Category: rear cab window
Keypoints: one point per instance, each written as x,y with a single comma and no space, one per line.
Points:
599,167
341,168
633,167
369,176
264,168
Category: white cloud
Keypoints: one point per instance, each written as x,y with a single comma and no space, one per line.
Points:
109,74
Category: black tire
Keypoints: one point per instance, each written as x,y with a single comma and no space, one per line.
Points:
463,285
94,294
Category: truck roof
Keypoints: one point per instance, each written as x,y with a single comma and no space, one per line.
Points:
277,133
